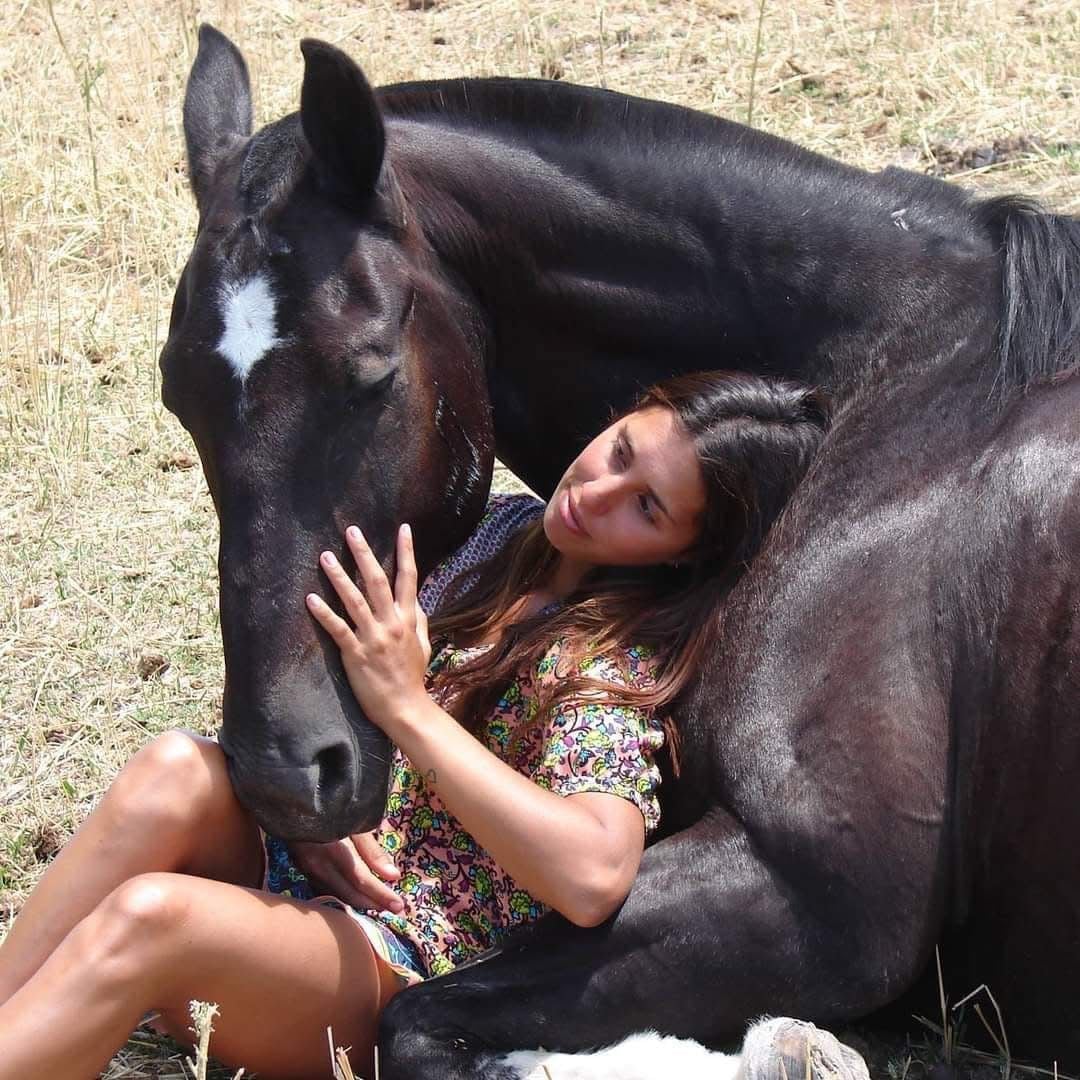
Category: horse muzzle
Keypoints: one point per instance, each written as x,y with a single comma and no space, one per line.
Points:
314,784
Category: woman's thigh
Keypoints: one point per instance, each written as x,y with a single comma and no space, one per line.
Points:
280,972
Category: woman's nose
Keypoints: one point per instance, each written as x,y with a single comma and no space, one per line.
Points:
599,495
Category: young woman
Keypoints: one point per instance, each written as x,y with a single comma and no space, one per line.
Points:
523,776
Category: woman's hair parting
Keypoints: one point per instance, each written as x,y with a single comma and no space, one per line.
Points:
754,439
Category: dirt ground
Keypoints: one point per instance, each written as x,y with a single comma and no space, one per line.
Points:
108,623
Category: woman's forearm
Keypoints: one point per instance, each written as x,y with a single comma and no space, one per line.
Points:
569,856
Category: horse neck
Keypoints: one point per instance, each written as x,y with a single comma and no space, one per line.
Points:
695,239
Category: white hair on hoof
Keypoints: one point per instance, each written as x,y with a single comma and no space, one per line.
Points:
777,1049
644,1056
786,1049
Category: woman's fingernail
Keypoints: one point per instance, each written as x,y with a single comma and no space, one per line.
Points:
312,599
352,532
406,530
327,558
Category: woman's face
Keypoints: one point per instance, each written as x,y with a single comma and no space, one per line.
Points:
632,497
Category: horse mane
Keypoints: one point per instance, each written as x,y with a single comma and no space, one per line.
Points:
561,108
1039,328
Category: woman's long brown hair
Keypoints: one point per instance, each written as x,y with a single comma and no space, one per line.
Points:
754,438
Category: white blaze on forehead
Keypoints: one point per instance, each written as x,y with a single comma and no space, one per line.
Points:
250,316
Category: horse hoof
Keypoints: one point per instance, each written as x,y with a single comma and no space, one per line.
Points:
785,1049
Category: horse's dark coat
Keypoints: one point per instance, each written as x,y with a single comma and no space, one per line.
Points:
880,756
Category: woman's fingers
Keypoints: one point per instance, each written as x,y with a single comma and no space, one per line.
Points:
405,585
380,602
340,870
422,632
350,595
371,573
375,856
359,876
360,892
341,633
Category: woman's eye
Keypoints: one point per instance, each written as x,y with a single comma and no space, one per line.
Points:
620,451
646,509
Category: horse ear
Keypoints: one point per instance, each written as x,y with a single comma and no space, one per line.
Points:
341,120
217,105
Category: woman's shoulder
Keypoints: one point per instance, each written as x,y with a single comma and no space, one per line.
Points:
502,517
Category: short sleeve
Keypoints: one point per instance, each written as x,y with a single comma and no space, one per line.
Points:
503,516
594,745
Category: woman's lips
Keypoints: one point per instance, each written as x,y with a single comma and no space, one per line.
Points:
570,520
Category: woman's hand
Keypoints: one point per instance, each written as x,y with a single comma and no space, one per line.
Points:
386,651
353,869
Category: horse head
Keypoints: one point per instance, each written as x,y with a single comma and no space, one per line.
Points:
327,375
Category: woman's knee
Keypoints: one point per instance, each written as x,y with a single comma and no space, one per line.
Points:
135,931
172,780
181,754
146,906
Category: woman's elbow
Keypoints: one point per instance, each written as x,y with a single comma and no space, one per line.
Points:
595,904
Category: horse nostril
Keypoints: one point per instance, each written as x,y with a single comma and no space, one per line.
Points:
334,769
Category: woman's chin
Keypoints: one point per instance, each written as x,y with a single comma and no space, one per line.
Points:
552,524
560,538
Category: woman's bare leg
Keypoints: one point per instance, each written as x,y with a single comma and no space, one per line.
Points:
280,971
171,808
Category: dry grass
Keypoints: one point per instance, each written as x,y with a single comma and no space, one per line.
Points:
108,627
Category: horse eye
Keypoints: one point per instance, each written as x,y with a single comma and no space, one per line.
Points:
368,392
383,383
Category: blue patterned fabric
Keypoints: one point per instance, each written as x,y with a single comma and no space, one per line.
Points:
504,515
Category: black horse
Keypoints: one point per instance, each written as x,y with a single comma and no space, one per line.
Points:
883,753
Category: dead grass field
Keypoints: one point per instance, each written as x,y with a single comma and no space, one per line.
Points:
108,625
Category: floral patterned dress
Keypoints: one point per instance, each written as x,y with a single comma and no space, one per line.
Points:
457,900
